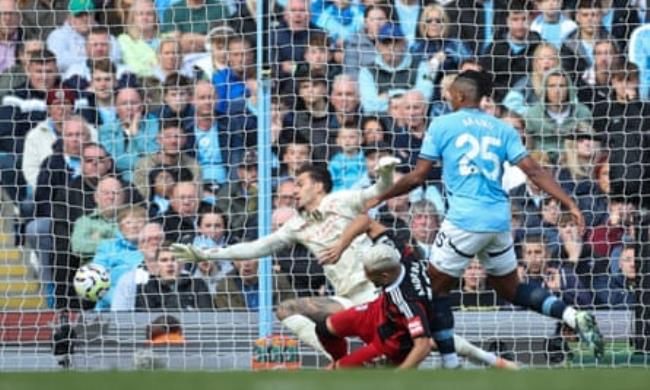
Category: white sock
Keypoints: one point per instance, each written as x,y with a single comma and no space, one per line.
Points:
450,360
466,349
569,317
305,330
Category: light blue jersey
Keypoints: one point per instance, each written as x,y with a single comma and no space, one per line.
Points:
472,147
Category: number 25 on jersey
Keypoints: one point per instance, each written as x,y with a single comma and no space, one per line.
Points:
481,150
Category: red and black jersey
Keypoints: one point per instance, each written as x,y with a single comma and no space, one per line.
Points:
408,302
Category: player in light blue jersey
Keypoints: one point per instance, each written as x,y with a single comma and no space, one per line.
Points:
472,147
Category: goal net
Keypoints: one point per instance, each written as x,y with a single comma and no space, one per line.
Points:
126,126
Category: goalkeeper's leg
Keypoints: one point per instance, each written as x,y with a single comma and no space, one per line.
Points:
300,316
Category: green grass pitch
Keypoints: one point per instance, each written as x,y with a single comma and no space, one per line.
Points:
573,379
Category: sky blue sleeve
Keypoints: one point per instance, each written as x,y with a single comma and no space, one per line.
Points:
515,149
430,148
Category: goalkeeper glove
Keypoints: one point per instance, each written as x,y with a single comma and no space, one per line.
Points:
186,252
386,164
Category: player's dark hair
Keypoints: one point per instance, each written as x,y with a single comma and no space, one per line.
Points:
319,174
475,85
588,4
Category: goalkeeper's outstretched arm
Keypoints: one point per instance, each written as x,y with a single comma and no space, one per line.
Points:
243,251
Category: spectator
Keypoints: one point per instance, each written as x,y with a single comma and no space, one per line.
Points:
12,77
594,83
578,159
238,199
191,18
240,289
97,48
79,198
574,253
171,140
40,18
89,230
295,153
538,268
42,76
57,171
394,70
347,166
551,24
213,146
290,39
319,59
230,82
622,119
132,135
509,57
241,121
40,139
442,106
620,223
162,181
408,139
216,44
524,93
424,224
68,42
285,194
474,293
120,254
434,44
620,19
577,49
172,288
617,288
102,87
149,241
557,115
477,23
311,120
212,233
176,99
139,44
374,132
341,20
360,50
10,34
180,220
639,50
170,59
345,105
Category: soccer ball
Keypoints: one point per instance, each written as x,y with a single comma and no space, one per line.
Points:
91,282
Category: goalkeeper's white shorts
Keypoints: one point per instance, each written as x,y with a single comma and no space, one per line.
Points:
455,248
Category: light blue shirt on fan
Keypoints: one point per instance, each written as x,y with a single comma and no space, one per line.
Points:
208,155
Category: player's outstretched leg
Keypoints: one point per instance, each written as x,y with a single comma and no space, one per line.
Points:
300,316
542,301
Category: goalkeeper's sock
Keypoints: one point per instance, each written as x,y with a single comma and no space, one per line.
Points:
305,330
540,300
472,352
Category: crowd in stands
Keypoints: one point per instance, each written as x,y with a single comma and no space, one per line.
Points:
129,125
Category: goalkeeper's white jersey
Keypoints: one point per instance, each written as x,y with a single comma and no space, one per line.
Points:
318,230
